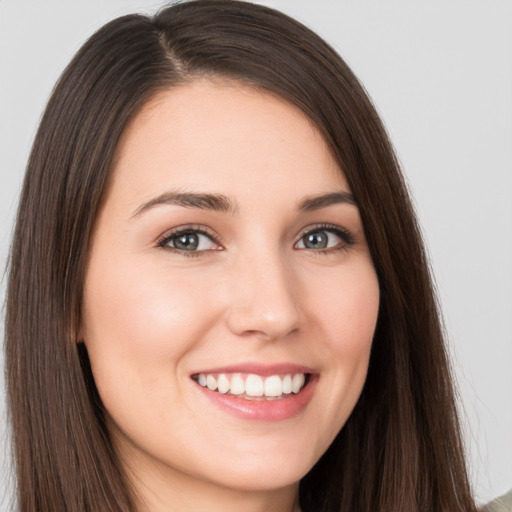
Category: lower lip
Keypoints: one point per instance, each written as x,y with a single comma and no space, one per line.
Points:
263,410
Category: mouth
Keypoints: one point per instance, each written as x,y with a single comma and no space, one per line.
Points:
251,386
258,392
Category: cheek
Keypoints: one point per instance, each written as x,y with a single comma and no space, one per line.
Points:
354,314
139,323
346,304
346,310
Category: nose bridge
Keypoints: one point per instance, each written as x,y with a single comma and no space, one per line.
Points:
263,295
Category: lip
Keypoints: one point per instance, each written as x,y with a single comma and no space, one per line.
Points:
264,370
262,410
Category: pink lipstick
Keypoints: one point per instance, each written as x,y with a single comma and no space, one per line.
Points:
258,391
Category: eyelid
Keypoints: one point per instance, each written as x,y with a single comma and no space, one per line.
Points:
163,239
188,228
347,237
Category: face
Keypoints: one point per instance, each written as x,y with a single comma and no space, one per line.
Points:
230,298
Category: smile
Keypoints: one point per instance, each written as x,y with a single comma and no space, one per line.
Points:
250,386
254,391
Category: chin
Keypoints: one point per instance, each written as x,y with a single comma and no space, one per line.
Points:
267,470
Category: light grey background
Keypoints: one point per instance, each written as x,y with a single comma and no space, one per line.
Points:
440,73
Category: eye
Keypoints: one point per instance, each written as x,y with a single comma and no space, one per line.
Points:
325,238
189,240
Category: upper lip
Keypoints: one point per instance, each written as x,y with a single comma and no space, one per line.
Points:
262,369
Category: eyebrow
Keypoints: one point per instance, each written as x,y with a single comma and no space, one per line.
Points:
222,203
201,201
318,202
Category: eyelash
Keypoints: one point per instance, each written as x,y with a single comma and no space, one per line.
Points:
193,229
347,238
343,234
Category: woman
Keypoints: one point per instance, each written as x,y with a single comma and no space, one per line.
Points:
218,294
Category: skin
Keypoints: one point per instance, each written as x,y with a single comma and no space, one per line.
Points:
254,293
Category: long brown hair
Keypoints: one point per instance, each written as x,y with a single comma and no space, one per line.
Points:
401,448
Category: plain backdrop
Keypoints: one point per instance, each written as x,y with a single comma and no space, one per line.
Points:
440,73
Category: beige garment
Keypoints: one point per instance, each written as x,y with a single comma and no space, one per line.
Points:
503,504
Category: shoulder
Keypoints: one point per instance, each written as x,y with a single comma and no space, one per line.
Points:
502,504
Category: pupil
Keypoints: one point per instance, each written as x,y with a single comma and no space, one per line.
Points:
316,240
187,241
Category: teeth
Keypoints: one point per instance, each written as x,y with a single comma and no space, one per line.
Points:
273,386
252,385
298,382
237,385
211,382
223,384
287,385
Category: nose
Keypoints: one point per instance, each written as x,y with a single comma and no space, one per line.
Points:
263,299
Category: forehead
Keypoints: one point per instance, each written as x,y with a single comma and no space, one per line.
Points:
224,137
